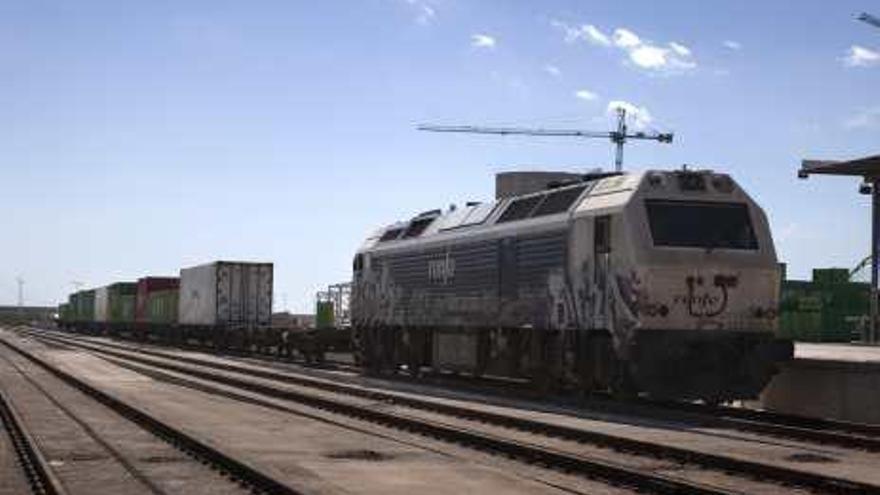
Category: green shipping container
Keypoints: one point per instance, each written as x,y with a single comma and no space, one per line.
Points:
324,315
162,307
120,302
827,309
85,306
830,276
64,312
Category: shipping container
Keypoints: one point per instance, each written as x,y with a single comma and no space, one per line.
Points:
85,306
162,307
101,303
325,316
73,306
120,302
148,286
64,312
226,293
830,308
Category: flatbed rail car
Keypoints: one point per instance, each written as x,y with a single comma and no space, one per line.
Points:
663,282
223,305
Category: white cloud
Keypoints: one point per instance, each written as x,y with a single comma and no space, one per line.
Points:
483,41
585,94
626,39
680,49
859,56
733,45
553,70
425,13
649,56
586,32
571,34
595,36
866,118
671,58
639,116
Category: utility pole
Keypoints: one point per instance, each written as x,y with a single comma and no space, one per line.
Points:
618,137
20,282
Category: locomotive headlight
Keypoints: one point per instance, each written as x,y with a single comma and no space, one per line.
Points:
865,188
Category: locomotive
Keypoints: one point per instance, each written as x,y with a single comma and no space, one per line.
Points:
664,283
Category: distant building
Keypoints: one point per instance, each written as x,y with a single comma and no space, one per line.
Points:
24,314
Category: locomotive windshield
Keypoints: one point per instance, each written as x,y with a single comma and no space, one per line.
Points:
701,224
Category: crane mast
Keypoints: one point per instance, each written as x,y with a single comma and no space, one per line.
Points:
618,137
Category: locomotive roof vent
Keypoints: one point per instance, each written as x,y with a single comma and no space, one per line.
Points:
655,179
691,180
722,183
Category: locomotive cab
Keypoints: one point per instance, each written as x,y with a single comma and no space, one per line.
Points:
691,283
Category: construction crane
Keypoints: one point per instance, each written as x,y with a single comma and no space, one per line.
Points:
619,137
869,19
855,272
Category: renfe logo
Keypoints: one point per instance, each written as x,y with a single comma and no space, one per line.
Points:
442,270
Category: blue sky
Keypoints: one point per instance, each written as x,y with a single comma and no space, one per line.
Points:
140,137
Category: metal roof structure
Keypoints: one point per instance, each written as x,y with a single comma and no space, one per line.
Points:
868,168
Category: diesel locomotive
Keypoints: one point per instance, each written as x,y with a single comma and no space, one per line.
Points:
664,283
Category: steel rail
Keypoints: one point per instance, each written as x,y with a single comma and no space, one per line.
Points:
748,468
39,474
533,454
236,469
825,431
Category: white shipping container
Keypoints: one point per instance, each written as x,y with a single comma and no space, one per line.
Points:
226,293
102,305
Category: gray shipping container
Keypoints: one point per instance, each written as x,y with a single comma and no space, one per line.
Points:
226,293
102,305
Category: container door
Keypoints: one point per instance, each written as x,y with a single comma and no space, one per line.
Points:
264,295
251,293
236,293
224,294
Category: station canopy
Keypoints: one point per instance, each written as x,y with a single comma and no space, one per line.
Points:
868,167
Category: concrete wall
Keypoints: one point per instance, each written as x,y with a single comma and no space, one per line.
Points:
842,390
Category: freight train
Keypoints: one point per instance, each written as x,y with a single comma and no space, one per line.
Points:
226,304
658,282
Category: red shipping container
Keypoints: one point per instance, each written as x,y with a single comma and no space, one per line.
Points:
147,285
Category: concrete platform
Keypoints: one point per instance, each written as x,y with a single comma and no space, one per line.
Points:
836,381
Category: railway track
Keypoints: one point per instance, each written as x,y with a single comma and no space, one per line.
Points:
817,430
330,396
36,473
228,474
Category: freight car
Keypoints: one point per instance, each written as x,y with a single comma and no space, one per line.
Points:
226,304
662,282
